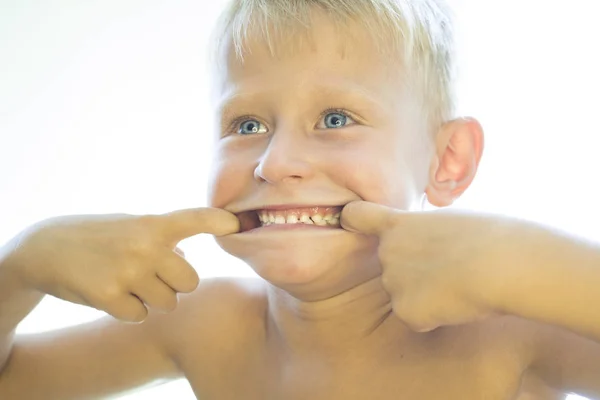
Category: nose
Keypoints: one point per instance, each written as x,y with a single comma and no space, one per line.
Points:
286,159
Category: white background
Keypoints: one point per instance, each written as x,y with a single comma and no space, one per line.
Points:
104,108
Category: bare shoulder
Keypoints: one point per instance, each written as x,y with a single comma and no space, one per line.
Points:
208,328
563,360
554,360
222,318
222,304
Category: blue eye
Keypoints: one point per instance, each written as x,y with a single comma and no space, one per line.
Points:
251,126
335,120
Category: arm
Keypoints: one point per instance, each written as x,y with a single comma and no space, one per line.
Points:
565,361
95,359
122,264
554,279
108,357
15,304
451,268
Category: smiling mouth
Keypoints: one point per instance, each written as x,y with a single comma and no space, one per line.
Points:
303,217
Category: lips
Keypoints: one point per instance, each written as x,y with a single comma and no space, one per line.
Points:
290,217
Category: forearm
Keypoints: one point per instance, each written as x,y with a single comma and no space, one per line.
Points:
553,279
16,302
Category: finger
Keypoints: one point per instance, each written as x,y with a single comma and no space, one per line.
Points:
156,294
181,224
177,273
367,218
127,308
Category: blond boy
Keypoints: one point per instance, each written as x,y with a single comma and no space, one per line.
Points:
335,119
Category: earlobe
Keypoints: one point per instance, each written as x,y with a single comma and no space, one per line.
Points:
459,146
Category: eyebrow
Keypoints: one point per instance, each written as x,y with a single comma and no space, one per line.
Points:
353,92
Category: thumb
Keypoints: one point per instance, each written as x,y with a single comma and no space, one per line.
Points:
181,224
366,218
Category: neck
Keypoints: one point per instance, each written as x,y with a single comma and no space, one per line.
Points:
350,318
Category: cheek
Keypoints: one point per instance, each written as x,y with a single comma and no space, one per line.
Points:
379,185
227,179
377,175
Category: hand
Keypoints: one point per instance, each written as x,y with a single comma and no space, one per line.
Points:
121,264
434,263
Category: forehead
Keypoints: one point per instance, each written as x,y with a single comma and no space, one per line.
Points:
325,54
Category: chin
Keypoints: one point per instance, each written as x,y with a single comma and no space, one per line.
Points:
291,260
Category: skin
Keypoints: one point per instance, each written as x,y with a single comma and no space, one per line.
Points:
320,324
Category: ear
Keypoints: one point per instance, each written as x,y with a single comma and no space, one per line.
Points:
459,146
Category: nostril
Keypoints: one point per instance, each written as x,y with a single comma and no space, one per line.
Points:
248,220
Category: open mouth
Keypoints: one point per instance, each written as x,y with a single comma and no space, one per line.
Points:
324,217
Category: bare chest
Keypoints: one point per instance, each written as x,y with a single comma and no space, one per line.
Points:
463,372
375,380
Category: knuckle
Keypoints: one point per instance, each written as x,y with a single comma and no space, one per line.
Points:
139,245
132,273
109,293
139,238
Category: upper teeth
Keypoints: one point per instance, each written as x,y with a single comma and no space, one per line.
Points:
271,217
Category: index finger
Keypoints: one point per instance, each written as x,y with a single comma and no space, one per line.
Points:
367,218
181,224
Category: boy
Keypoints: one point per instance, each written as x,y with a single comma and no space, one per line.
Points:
335,118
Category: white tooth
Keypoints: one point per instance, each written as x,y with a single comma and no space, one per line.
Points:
334,221
271,218
304,218
280,219
338,215
321,223
291,219
317,218
262,216
328,217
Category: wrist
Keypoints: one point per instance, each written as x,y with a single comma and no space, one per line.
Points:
513,268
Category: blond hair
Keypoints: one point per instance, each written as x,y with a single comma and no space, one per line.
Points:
420,31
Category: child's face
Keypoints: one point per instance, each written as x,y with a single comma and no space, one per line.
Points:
290,151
